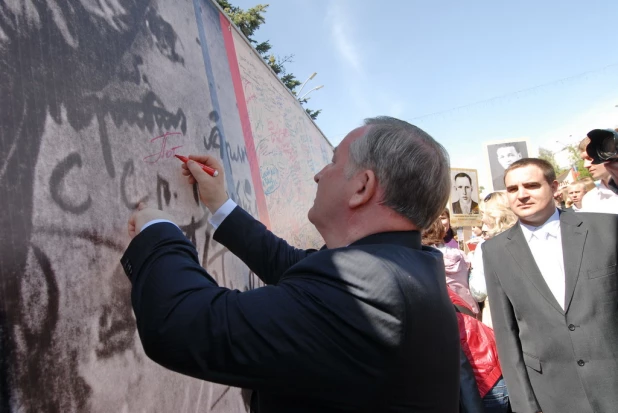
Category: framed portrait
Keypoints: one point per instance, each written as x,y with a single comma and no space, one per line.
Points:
464,200
500,155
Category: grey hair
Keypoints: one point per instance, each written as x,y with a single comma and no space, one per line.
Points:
411,167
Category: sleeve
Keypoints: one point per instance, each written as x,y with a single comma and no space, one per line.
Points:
478,288
510,353
155,221
469,397
220,214
267,255
259,339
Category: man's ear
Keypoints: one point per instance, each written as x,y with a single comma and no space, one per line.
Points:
365,186
554,186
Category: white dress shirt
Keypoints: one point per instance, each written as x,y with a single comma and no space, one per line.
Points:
215,220
545,243
601,199
478,286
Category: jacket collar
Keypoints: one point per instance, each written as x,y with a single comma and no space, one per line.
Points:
409,239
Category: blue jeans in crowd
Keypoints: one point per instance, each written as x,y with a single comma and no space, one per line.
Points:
497,399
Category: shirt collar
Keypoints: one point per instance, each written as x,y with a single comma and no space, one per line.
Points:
611,188
550,227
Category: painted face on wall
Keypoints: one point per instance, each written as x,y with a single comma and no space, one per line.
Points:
121,91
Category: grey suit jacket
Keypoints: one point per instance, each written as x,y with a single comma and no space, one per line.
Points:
555,360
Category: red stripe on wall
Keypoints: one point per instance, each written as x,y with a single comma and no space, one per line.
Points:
244,120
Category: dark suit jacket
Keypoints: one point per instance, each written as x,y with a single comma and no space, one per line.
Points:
366,328
555,360
456,208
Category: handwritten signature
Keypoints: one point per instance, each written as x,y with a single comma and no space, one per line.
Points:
164,152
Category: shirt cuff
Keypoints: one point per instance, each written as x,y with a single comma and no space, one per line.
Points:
224,210
156,221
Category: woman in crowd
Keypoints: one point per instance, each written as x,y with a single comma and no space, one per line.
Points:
456,266
482,387
497,217
449,238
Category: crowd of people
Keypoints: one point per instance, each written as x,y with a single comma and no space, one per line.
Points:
391,315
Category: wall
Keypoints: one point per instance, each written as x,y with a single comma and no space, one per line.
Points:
96,99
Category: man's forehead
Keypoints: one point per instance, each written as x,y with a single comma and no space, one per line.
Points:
465,180
523,175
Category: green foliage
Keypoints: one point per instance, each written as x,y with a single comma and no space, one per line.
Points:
248,21
313,113
548,155
574,159
290,81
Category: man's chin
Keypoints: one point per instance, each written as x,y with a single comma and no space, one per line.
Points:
310,215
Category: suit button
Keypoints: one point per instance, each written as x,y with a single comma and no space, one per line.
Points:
581,363
571,327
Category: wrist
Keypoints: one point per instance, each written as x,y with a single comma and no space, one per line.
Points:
215,205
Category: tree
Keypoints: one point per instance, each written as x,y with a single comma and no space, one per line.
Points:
577,161
548,156
248,21
574,160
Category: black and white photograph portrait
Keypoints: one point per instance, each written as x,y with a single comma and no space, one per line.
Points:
464,199
500,156
464,192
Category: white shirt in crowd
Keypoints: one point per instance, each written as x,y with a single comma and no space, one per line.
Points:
545,243
477,284
600,199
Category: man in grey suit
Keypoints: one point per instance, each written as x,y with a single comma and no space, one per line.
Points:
553,288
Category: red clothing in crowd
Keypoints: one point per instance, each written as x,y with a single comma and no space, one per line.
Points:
479,344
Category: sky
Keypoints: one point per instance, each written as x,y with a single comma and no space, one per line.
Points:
465,72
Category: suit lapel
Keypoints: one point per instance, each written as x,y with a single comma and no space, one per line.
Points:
573,235
518,247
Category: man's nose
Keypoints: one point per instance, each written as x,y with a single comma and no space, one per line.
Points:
521,192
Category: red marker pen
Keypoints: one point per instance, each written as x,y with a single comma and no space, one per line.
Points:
210,171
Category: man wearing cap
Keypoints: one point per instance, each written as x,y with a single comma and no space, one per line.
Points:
604,198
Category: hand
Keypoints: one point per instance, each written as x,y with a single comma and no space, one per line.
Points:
144,215
211,188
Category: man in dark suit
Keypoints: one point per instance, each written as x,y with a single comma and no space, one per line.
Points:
364,325
553,287
463,187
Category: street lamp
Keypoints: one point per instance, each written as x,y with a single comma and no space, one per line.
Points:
305,82
315,88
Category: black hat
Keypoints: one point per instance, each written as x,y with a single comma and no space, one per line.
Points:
597,137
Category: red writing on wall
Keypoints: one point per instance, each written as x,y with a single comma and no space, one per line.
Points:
164,151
